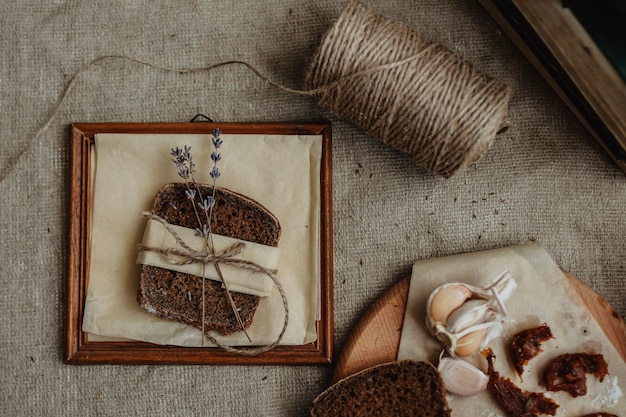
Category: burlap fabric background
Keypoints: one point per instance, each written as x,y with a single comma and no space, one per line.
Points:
545,181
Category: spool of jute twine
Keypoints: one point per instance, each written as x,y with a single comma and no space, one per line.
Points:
381,75
410,93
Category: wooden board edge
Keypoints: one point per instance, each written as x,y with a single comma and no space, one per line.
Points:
603,313
357,354
510,19
140,353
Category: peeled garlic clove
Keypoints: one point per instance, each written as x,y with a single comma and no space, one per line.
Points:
461,378
472,312
470,343
447,299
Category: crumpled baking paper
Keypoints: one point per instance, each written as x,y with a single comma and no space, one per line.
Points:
543,296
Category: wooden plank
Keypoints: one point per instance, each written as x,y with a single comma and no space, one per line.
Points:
561,50
376,337
598,81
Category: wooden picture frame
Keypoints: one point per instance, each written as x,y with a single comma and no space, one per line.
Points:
80,350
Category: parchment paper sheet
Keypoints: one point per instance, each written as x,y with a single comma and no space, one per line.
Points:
280,172
543,296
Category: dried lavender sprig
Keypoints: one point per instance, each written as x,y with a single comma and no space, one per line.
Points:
186,169
208,206
184,162
215,157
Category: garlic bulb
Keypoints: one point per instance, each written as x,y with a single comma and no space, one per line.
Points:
464,318
461,377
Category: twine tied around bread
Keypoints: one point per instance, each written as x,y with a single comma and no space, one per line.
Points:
186,255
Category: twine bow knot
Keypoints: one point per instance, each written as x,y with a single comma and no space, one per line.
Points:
185,255
189,256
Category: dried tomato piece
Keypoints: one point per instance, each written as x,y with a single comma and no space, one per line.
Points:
527,344
567,372
517,402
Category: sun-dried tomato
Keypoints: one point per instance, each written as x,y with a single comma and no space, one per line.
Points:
527,344
600,415
517,402
567,372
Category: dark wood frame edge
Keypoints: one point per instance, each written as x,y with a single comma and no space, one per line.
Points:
506,14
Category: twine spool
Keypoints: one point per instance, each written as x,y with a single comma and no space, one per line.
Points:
408,92
404,90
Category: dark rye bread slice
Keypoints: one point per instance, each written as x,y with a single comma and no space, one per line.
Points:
178,296
401,388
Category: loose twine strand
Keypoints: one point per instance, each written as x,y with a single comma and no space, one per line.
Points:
410,93
187,255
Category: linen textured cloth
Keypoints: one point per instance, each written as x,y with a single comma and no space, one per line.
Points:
545,181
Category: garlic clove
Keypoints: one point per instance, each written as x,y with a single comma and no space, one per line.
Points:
472,312
447,299
461,378
470,343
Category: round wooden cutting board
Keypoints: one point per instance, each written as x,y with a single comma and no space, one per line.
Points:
381,326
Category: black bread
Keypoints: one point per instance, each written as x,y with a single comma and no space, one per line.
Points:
402,388
178,296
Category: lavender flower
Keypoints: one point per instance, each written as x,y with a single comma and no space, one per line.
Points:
215,156
186,169
191,194
207,203
217,141
184,162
